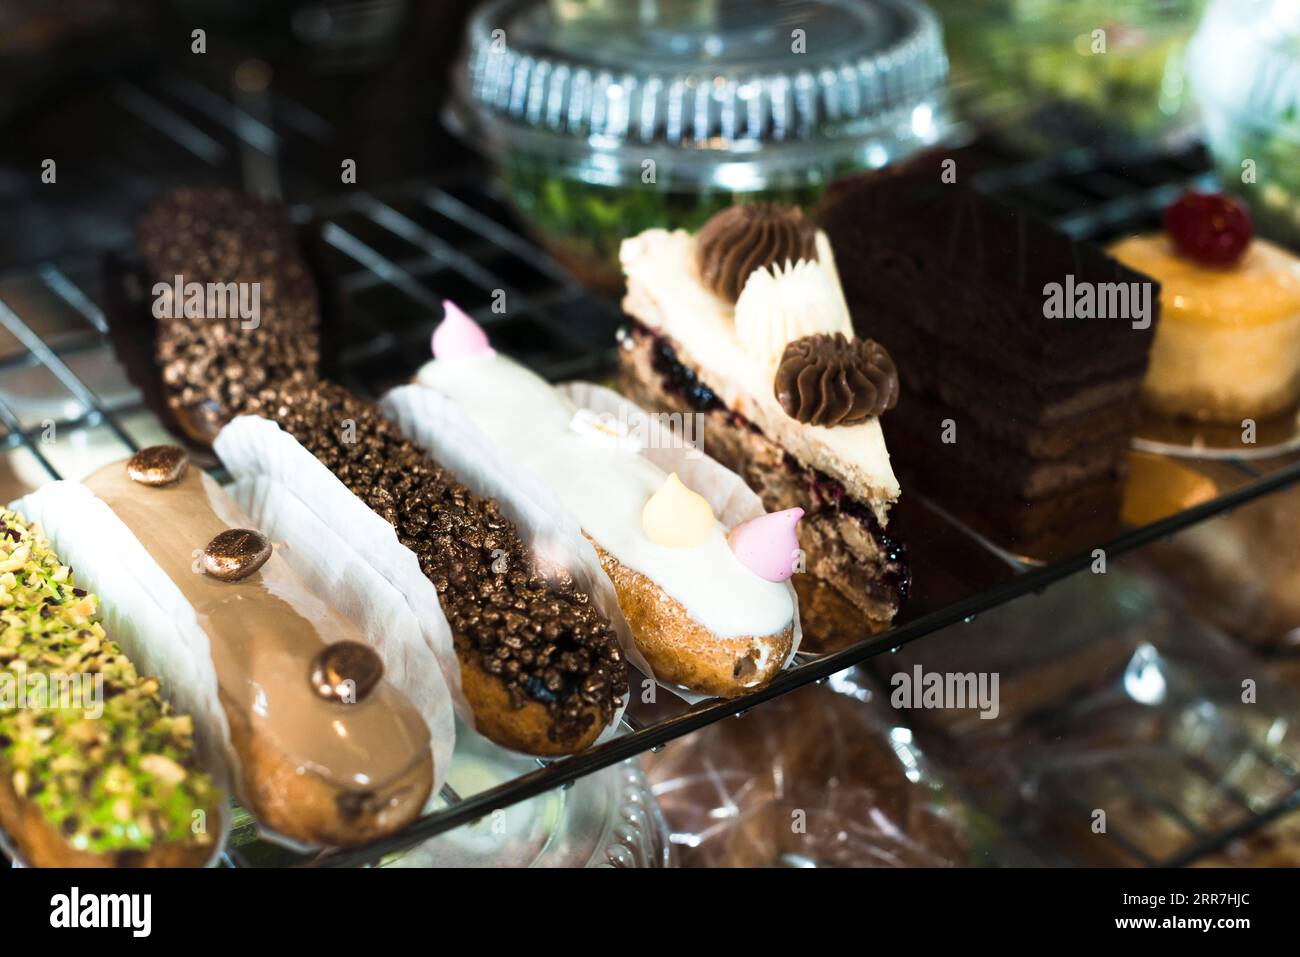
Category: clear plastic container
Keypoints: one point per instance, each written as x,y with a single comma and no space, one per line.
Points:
606,819
604,119
1245,67
1054,74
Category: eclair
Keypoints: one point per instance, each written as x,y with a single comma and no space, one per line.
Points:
235,305
96,769
538,666
707,606
316,742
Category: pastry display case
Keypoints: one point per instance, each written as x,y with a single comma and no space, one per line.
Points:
1120,572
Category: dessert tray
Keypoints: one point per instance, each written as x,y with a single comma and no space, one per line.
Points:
394,254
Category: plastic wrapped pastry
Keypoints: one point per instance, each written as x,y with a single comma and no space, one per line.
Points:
821,777
289,696
1145,738
96,769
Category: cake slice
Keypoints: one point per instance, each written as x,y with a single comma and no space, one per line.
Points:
745,325
1020,352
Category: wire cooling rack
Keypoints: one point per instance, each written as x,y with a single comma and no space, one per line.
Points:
395,252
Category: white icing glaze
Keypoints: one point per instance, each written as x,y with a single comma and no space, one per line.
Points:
785,303
665,293
605,487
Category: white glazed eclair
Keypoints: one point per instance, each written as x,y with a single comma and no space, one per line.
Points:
708,607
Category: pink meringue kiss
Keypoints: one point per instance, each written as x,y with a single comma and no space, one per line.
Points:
458,336
767,545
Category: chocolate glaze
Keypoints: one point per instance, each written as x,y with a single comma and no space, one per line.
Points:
264,633
539,634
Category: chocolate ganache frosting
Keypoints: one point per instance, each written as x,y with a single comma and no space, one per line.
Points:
830,380
740,239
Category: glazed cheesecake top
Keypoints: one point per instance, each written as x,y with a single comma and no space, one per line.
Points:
665,291
1262,287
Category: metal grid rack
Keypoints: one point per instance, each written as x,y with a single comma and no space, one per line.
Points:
396,252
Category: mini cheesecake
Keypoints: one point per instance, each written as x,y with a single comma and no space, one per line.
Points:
1228,346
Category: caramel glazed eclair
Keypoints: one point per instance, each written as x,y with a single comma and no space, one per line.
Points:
706,606
540,667
96,770
317,743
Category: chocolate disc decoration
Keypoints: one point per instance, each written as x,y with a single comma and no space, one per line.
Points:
158,465
346,671
236,553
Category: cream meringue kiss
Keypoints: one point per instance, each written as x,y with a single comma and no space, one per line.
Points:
458,335
767,545
676,517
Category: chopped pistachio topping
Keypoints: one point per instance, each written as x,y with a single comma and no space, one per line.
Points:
107,761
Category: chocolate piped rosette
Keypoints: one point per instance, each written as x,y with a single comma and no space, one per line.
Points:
532,662
746,324
289,697
96,768
699,570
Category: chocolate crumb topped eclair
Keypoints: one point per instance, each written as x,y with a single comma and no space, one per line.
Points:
540,667
236,306
96,770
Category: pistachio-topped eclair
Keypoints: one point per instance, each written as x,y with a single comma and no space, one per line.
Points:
95,768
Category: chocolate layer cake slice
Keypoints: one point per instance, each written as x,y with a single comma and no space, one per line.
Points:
746,326
1019,349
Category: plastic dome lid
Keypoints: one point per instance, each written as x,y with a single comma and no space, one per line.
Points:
716,79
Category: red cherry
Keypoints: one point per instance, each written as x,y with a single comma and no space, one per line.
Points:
1210,228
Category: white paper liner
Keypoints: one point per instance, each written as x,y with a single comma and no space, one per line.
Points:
329,565
144,612
251,446
437,425
434,422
